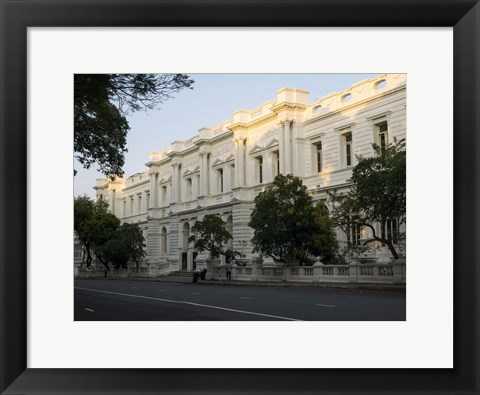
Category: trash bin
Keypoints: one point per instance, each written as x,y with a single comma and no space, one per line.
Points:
195,277
203,273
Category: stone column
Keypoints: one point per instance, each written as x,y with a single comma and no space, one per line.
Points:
287,147
153,244
241,170
153,189
237,161
294,149
281,143
176,182
268,167
204,173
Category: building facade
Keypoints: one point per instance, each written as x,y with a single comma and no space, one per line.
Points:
221,169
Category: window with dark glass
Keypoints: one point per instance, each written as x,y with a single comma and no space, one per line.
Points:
354,232
220,180
348,149
318,157
382,130
260,169
391,230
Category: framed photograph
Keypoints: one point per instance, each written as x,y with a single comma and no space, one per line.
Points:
433,44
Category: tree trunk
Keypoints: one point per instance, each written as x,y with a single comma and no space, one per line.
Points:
382,240
104,262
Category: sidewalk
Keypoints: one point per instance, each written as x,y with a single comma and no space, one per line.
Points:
188,280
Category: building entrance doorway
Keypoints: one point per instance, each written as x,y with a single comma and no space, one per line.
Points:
184,261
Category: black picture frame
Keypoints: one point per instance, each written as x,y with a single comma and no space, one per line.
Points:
18,15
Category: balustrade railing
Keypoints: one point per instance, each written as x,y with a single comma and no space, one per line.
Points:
355,273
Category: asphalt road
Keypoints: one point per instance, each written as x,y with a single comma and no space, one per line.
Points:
126,300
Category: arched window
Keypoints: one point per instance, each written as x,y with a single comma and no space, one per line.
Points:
163,242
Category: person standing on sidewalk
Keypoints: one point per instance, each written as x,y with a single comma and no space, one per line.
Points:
229,271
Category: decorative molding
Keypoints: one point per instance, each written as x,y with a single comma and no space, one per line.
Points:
343,127
380,117
316,136
256,148
287,106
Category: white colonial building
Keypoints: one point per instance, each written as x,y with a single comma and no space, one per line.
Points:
221,169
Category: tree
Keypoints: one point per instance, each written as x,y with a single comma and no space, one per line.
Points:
127,245
86,209
211,235
288,226
100,230
101,103
377,195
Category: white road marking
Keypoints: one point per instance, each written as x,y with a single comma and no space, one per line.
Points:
161,290
86,308
189,303
195,293
324,305
245,297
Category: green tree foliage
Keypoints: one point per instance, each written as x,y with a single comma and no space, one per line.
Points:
101,102
127,245
211,235
100,230
100,233
378,194
85,210
288,226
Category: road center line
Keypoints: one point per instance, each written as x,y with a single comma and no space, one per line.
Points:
189,303
324,305
86,308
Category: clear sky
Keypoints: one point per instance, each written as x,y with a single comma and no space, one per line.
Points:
213,100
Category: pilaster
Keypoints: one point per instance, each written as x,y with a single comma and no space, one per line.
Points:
281,143
287,146
153,188
294,148
153,242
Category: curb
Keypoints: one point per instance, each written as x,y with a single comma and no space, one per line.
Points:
362,286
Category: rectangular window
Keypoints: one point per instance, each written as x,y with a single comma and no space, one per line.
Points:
131,206
220,180
391,230
124,208
348,148
139,203
77,251
148,201
260,169
354,232
189,189
164,195
318,157
382,135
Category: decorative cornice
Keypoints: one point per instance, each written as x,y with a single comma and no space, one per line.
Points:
337,111
255,122
287,106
